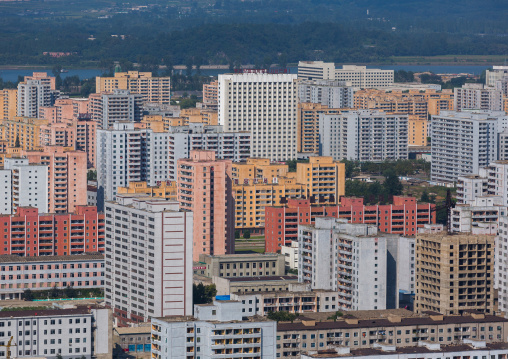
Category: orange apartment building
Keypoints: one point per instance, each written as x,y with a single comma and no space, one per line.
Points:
43,78
26,129
403,217
158,123
204,187
67,170
307,125
29,233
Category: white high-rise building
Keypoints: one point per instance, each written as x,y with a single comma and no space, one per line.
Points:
334,94
234,146
266,106
34,94
126,154
463,142
23,185
496,74
148,258
476,97
501,264
218,330
120,105
363,135
348,258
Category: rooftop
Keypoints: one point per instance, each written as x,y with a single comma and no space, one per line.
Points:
264,279
43,313
76,257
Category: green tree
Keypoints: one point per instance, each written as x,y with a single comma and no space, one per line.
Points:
91,175
246,234
59,356
350,167
282,316
237,234
54,292
17,144
392,184
202,294
70,292
336,315
425,197
28,295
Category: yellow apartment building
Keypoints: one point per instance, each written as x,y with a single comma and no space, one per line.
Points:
153,89
259,168
417,131
8,103
324,178
307,125
27,129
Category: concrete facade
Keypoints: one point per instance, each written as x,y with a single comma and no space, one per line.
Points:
148,261
266,106
333,94
476,97
242,265
119,105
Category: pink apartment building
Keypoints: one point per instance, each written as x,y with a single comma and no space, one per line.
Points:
67,181
204,187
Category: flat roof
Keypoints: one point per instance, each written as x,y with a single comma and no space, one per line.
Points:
42,313
382,322
263,279
134,330
93,256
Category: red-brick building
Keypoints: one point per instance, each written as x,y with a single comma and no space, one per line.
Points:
29,233
403,217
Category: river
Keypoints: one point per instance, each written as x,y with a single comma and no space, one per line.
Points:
12,74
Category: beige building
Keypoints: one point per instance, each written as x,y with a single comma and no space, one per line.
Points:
8,103
240,265
259,282
454,273
398,328
153,89
308,125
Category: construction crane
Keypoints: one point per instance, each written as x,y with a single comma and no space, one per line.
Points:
8,346
448,205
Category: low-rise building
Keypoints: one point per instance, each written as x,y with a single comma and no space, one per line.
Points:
480,215
292,301
53,333
45,272
217,330
135,339
241,265
261,283
399,330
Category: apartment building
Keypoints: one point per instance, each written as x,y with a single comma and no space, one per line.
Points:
24,185
26,130
324,178
480,215
185,117
116,106
234,146
151,89
454,273
477,97
266,106
67,170
45,272
163,189
411,103
8,103
211,96
30,232
217,330
364,135
471,186
52,333
308,140
35,92
259,168
126,154
326,261
86,136
148,258
262,303
501,264
403,217
241,265
463,142
496,74
333,94
65,109
204,187
260,281
395,329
